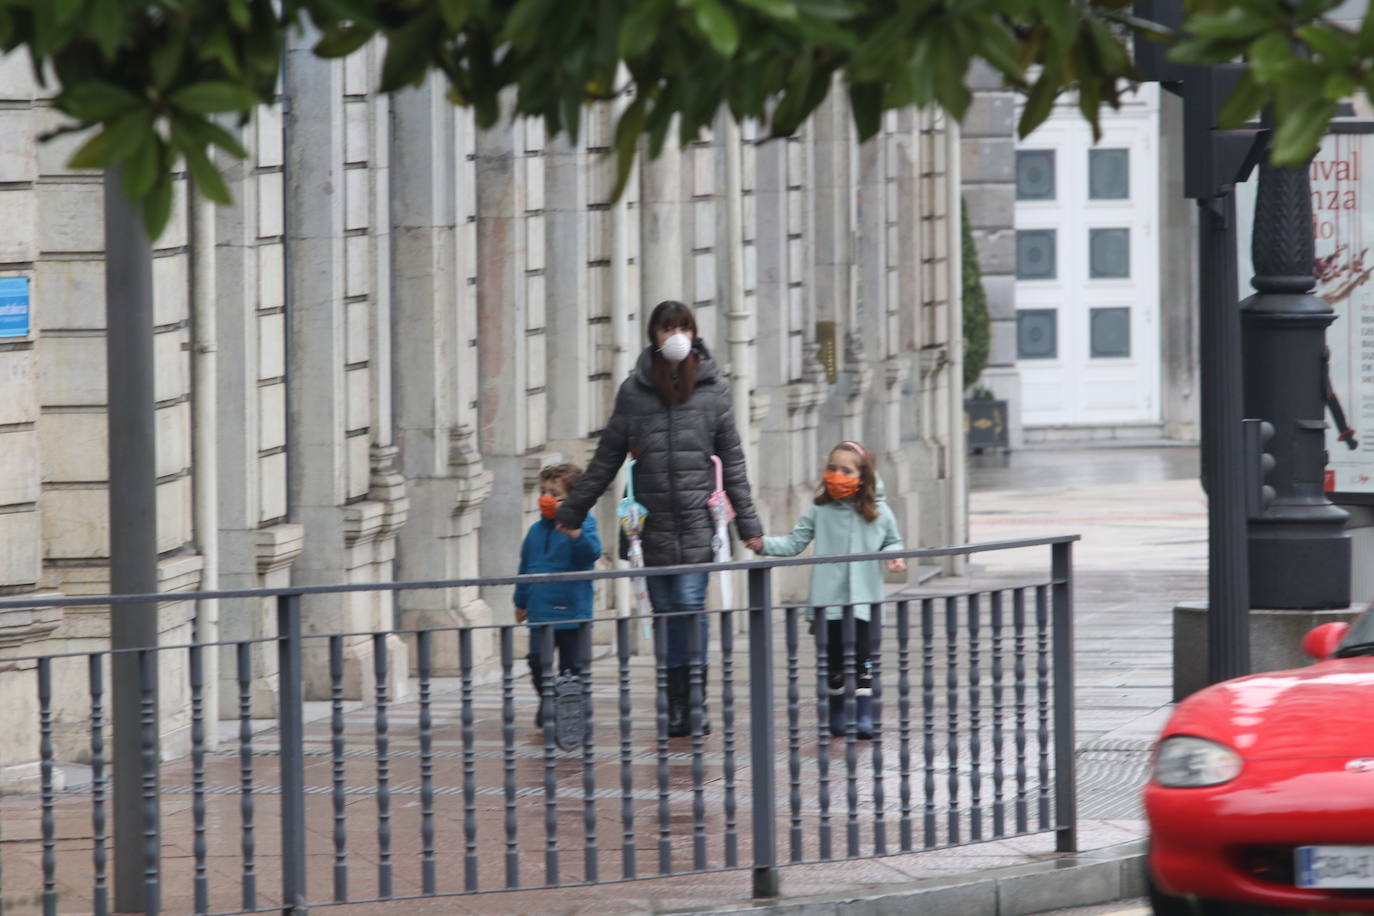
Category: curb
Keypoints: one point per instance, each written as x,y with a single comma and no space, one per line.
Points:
1074,879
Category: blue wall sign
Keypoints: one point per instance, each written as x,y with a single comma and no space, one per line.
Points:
14,307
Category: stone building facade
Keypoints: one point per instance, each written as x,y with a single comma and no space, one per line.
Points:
363,363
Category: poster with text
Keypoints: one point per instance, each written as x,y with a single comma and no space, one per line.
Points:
1343,232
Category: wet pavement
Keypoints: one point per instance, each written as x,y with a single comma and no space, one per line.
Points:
644,805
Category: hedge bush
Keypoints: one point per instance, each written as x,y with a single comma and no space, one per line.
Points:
976,332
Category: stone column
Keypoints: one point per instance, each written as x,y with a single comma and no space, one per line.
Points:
435,448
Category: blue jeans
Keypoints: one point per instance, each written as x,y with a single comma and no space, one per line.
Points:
683,592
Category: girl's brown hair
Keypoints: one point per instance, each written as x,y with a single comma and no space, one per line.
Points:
675,384
866,500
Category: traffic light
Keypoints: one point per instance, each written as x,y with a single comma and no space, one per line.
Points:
1259,464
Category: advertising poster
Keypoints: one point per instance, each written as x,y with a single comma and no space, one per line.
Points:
1342,176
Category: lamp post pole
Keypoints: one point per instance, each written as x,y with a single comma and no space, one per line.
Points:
133,540
1299,552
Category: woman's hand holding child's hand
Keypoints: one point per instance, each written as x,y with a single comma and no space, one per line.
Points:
573,533
521,615
755,544
896,565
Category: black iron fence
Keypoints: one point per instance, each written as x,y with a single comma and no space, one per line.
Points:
454,790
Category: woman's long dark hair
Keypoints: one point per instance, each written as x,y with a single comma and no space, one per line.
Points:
866,500
675,383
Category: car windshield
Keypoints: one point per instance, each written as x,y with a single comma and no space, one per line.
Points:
1359,639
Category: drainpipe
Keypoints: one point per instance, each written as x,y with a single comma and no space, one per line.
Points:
623,350
204,424
958,459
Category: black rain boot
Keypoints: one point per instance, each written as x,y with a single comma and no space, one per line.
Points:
863,714
679,686
837,719
537,679
705,679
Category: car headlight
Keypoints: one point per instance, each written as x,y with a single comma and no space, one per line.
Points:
1185,762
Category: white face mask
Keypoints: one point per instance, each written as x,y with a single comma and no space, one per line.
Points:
676,347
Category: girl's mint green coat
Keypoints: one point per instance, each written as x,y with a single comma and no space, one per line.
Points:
837,528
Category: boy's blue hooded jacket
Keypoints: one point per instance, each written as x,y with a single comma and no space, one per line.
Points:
546,550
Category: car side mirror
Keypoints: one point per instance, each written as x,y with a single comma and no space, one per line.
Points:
1320,642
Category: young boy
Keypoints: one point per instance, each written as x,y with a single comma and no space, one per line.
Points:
559,604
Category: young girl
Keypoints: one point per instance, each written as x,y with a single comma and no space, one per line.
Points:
850,515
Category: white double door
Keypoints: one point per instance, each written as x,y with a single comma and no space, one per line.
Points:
1088,268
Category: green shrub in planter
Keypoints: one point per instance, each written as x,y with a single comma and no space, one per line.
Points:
976,332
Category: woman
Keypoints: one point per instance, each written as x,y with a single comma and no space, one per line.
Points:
671,415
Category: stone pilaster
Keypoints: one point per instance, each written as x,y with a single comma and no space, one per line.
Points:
660,229
330,458
502,302
443,472
569,361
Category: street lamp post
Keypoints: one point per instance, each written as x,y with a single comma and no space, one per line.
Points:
1299,553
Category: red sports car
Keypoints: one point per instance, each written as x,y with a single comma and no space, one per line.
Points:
1262,794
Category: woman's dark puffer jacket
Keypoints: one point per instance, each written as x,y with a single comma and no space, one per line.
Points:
673,474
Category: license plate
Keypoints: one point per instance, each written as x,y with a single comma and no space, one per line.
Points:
1334,866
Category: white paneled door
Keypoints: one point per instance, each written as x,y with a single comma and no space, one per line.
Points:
1087,267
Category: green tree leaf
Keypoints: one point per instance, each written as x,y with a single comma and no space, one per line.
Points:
96,101
1040,102
640,27
213,97
140,169
1333,44
407,51
777,9
107,24
1301,130
157,208
455,13
93,154
342,41
718,25
526,22
1243,104
207,178
208,132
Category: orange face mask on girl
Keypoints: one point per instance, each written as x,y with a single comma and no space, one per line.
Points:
548,505
840,486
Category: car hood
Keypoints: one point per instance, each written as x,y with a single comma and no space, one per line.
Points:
1323,710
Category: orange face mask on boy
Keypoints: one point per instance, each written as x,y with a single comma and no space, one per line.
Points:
840,486
548,505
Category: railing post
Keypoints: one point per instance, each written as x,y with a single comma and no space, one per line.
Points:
761,733
1065,782
292,732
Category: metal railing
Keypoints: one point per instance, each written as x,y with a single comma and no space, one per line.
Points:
451,793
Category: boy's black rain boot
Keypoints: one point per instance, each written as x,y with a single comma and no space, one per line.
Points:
679,689
837,718
537,679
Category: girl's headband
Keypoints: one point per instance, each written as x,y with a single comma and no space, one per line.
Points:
855,447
